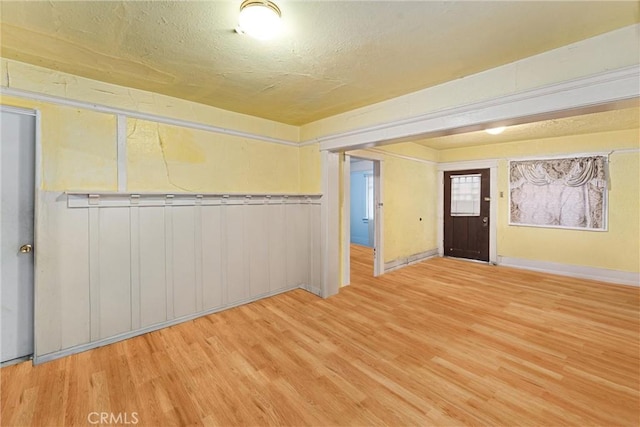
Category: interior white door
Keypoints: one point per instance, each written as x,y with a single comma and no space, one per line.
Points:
17,177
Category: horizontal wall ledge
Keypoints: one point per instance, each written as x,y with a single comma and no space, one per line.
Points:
111,199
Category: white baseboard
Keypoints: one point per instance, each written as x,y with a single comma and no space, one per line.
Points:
581,272
411,259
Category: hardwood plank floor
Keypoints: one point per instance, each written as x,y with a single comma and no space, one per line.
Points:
443,342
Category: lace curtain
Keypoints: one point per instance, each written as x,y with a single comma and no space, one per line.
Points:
567,193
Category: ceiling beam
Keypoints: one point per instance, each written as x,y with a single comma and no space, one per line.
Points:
605,91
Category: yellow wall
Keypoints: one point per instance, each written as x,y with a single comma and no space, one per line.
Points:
310,169
616,249
171,158
79,146
410,194
410,200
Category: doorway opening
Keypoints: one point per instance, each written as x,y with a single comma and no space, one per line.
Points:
362,216
362,220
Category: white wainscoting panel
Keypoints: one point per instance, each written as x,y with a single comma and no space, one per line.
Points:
297,252
256,240
184,266
212,233
115,265
114,276
236,283
277,247
315,259
152,258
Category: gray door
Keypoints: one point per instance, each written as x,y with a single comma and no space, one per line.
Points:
17,165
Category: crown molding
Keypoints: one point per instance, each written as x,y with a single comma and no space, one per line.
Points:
34,96
599,92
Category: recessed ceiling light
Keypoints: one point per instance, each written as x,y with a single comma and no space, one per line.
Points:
496,131
259,19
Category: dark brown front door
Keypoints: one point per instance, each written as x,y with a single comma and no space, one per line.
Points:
466,214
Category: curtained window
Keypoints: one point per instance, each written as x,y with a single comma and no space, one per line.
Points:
564,193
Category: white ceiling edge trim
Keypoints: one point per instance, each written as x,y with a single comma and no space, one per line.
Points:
34,96
550,101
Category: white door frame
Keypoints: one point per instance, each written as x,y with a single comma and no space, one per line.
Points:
378,234
36,208
492,165
330,223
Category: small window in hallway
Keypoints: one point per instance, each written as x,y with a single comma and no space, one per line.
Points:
369,196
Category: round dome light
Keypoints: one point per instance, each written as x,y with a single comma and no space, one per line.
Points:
259,19
496,131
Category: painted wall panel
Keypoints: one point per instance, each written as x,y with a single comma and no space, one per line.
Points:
153,292
184,274
277,247
62,270
316,254
212,256
73,275
114,271
297,218
257,246
236,263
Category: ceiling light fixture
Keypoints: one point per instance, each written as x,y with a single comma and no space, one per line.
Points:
496,131
259,19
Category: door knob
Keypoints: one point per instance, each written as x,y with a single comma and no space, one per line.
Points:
25,249
485,219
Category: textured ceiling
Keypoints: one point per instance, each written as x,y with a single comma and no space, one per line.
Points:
628,118
331,58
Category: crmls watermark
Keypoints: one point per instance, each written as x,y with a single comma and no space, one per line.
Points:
111,418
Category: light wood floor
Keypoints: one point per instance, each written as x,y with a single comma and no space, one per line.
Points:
440,343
